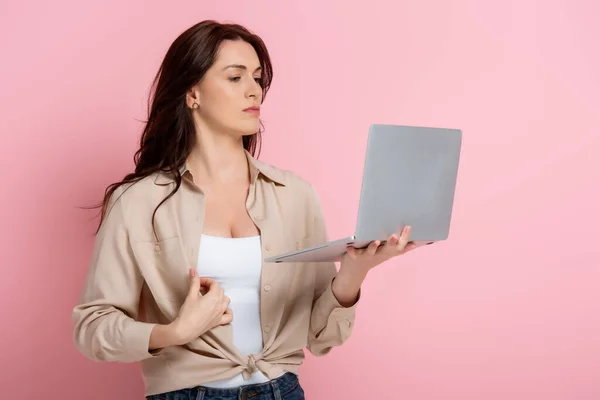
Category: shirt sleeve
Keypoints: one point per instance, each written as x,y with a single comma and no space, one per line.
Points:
105,326
331,323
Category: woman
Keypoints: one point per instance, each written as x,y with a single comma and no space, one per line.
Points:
177,280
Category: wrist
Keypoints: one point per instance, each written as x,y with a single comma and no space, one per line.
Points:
164,336
346,288
351,276
173,333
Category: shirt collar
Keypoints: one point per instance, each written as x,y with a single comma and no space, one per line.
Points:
257,169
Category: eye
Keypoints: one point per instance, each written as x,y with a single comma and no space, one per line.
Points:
258,80
235,79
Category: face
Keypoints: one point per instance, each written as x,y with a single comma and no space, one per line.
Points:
229,95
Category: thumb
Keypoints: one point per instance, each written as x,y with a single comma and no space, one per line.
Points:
194,283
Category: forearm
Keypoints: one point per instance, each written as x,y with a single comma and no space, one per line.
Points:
110,337
346,286
333,312
162,336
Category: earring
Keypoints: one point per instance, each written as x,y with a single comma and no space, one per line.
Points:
195,105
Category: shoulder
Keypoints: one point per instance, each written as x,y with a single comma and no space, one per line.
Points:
299,203
140,194
289,181
134,206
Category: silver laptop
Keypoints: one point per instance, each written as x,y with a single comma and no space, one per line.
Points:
409,178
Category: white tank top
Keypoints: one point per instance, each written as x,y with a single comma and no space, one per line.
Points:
235,263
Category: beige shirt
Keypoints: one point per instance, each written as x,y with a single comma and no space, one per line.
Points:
137,280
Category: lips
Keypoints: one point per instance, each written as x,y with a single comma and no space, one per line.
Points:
253,110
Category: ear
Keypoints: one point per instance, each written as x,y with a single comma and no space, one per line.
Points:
192,98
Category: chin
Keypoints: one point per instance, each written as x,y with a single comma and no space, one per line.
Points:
248,129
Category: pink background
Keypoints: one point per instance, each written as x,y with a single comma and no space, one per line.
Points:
508,308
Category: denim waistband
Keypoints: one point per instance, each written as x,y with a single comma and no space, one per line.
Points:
274,387
283,384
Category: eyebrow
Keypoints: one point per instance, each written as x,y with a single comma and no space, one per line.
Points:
240,66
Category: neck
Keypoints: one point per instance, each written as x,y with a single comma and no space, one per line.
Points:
218,158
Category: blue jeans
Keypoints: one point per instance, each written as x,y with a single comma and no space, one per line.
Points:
286,387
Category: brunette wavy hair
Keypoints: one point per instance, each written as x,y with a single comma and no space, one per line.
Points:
169,135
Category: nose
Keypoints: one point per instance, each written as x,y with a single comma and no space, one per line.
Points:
254,90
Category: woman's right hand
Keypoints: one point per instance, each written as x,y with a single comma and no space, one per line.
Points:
205,307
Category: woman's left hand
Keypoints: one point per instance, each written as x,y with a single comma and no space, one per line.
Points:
363,260
356,263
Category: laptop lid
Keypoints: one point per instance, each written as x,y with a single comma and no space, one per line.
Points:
409,178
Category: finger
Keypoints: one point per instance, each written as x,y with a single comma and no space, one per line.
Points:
372,248
406,231
404,237
214,286
351,252
226,302
214,289
390,245
410,246
207,282
227,317
194,285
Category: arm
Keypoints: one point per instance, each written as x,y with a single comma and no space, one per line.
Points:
105,326
336,296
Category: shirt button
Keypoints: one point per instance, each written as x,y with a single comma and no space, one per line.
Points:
267,288
267,329
157,247
267,247
298,246
258,217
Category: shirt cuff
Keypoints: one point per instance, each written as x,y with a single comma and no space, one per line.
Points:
331,306
137,339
